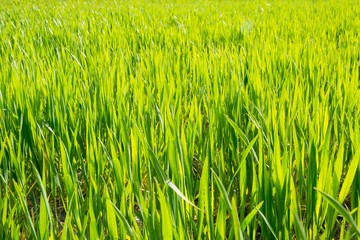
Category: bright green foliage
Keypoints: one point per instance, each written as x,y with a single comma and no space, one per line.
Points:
179,119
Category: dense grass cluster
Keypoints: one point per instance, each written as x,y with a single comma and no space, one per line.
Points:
179,119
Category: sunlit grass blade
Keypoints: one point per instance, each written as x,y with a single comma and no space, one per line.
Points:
123,220
179,193
267,223
335,204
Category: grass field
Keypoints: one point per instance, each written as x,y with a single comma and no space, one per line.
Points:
179,119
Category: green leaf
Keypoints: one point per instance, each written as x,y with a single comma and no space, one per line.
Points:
44,197
25,209
300,231
222,190
178,192
250,216
335,204
267,223
349,176
236,224
124,221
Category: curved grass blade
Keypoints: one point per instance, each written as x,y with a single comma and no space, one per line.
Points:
236,224
242,161
250,216
37,175
179,193
299,228
267,223
335,204
242,135
125,222
25,209
222,190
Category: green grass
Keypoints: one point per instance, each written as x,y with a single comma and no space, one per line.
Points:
179,119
